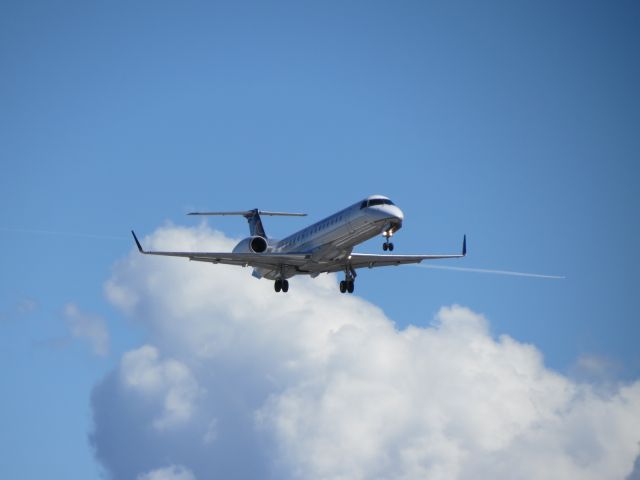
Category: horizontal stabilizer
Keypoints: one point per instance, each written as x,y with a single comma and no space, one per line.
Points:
248,213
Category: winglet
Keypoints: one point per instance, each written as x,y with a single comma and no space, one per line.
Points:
137,242
464,245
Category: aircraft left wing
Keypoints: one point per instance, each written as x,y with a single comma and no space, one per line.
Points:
361,260
366,260
260,260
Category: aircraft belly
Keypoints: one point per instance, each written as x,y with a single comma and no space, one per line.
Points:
274,273
336,245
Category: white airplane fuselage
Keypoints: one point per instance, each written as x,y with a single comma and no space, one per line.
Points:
335,236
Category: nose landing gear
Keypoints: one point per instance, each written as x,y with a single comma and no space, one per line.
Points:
387,245
387,234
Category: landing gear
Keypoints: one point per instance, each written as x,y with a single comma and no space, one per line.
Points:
387,245
281,285
348,284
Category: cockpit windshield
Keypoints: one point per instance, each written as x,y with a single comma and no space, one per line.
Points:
375,201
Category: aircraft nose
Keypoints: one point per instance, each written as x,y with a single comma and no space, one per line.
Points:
396,212
387,212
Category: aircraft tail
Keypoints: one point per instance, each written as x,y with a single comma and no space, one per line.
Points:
253,218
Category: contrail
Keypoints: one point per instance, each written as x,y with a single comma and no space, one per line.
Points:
67,234
496,272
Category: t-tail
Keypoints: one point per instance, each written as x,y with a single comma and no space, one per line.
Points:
253,217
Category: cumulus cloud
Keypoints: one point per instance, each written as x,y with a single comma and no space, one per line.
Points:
595,369
173,472
88,327
168,381
237,382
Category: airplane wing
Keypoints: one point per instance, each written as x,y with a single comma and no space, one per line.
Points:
260,260
361,260
367,260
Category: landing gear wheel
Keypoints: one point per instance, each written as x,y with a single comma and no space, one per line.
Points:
277,285
343,286
385,245
390,247
285,286
350,286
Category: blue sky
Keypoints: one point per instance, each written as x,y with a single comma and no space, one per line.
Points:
513,122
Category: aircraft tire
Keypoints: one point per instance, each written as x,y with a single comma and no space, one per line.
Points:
391,247
350,286
285,286
277,285
343,286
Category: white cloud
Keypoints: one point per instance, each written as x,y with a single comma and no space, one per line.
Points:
173,472
247,383
91,328
595,369
211,434
169,381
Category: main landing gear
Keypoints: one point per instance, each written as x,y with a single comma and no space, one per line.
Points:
280,284
348,284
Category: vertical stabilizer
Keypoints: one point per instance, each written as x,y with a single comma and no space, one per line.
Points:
255,223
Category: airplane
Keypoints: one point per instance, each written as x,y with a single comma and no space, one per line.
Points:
324,247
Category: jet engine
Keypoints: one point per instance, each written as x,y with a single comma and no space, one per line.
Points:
254,244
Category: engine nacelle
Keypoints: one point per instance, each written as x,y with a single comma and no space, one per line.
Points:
255,244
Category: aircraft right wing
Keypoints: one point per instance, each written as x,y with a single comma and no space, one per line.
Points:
259,260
